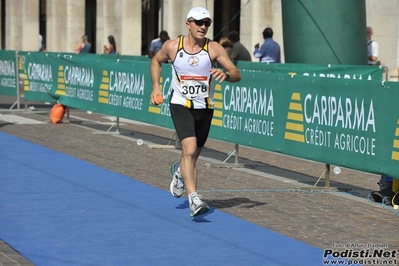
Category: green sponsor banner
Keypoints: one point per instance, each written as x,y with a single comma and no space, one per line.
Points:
345,122
8,73
39,76
113,85
348,123
356,72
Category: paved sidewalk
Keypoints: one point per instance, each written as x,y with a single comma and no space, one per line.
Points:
268,189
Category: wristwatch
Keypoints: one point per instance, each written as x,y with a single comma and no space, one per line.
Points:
227,74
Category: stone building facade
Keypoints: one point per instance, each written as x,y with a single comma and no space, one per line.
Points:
134,23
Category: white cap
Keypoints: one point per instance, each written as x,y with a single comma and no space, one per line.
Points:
199,13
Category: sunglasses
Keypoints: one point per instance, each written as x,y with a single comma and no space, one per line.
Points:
199,23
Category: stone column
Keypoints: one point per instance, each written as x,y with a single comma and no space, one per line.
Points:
30,22
22,30
65,24
121,19
383,17
174,21
105,24
13,28
75,26
129,25
55,25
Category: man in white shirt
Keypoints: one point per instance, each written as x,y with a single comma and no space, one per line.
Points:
191,102
372,48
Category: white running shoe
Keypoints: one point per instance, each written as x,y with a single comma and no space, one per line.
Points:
197,206
177,184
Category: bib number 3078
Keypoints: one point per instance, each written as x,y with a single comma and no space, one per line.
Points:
193,87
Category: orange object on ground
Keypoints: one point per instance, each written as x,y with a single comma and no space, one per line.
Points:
57,113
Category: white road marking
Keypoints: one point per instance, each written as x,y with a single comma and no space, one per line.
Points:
15,119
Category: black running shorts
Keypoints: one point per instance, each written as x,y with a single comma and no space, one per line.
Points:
191,122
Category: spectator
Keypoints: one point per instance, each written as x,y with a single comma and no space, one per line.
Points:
239,52
40,42
157,43
372,49
226,44
269,52
42,47
84,47
111,49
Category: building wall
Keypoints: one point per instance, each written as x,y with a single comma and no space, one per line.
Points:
122,19
383,17
105,24
22,25
65,22
130,26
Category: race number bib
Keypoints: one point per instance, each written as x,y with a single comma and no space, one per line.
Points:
194,87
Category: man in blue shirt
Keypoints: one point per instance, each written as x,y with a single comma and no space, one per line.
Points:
157,43
269,52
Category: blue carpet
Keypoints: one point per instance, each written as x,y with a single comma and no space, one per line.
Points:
59,210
